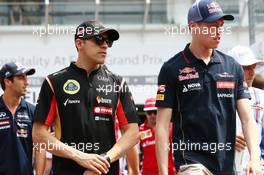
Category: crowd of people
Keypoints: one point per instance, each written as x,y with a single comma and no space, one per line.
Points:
207,117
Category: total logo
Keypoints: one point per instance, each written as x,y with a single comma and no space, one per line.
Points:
71,87
103,110
103,100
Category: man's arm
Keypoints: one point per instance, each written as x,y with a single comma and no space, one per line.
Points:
40,160
162,139
44,140
132,158
251,134
130,137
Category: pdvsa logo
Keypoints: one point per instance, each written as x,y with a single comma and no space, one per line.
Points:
71,87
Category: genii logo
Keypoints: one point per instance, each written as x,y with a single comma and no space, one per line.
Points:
71,87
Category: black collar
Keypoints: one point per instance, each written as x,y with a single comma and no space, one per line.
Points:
190,58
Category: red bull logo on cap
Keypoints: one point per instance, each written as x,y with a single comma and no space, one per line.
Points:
214,7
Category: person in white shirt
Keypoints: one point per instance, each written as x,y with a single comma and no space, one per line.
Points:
245,57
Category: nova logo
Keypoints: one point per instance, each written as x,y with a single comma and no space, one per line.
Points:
194,85
191,87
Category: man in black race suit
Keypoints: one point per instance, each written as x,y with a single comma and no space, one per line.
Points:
84,101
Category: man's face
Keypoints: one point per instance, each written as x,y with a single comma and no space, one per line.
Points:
249,72
207,34
19,85
92,49
151,117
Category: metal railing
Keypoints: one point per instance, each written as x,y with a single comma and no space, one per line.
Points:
110,12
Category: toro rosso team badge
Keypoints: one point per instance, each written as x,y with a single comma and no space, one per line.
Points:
71,87
187,70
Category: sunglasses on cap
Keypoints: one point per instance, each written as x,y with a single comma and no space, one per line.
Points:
153,112
99,40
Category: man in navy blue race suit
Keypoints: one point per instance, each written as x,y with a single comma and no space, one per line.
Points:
201,88
15,121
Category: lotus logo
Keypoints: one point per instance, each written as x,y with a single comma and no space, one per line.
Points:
71,87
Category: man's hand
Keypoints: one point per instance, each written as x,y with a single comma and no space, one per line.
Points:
89,172
94,162
253,168
240,144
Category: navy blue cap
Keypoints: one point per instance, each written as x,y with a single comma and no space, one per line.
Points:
207,11
92,28
12,69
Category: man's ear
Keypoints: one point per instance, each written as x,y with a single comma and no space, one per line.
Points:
7,82
78,43
191,25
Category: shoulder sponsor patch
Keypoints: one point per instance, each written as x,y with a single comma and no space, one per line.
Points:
160,97
225,85
71,87
161,88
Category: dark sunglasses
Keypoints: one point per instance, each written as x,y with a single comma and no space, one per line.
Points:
99,40
151,112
